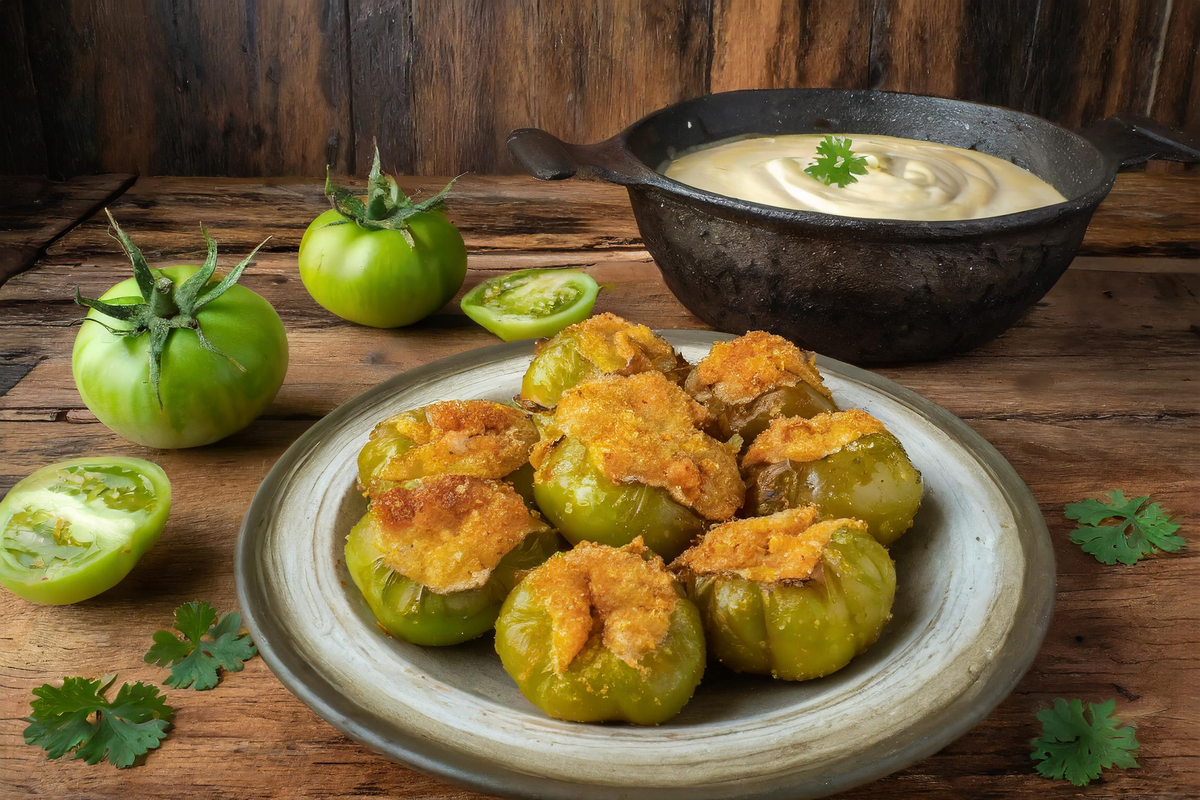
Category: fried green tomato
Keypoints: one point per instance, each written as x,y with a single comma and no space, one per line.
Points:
845,463
457,437
601,345
435,557
622,457
754,379
789,597
602,634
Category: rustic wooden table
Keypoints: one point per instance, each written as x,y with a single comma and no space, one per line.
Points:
1095,389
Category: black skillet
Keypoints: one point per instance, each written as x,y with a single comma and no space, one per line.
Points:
861,290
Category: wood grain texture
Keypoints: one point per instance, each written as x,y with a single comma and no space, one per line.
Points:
35,211
1094,389
229,88
1176,98
22,142
769,44
1072,62
240,87
381,41
579,70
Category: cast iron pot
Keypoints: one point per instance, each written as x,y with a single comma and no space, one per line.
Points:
861,290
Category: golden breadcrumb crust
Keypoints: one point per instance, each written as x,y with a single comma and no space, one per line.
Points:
623,595
750,366
464,437
786,546
643,428
616,345
803,440
448,532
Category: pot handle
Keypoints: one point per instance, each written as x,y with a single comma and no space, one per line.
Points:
549,158
1129,140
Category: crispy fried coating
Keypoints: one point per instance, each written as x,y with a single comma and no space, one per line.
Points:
448,532
749,366
463,437
616,345
643,429
803,440
624,596
786,546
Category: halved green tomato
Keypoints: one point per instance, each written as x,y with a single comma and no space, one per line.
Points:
531,303
74,529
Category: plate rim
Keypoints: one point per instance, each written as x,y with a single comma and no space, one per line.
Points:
447,763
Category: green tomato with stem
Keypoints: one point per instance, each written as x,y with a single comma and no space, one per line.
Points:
385,262
174,357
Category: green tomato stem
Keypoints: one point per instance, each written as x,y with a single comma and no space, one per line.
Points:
162,301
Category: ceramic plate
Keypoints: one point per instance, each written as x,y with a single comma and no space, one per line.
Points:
975,590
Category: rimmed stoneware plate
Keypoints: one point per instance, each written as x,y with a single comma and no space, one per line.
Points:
976,585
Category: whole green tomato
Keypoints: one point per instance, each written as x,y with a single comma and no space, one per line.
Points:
801,631
870,479
74,529
172,358
385,263
580,500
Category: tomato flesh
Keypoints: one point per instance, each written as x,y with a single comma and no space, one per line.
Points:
531,303
74,529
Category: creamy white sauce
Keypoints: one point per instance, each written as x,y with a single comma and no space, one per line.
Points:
906,178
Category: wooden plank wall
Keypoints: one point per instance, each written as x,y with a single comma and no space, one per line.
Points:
283,87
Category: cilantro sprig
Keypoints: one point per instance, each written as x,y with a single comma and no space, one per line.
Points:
1137,530
195,660
77,717
1076,747
836,162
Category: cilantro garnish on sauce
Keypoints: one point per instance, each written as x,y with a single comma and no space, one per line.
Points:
1076,748
836,162
1134,531
194,659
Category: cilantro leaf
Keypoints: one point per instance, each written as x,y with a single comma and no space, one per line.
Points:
77,716
1136,534
194,660
1075,748
836,162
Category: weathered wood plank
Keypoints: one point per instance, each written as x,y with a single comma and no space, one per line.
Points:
22,144
234,88
1176,96
381,40
582,71
34,212
1146,215
1013,53
772,44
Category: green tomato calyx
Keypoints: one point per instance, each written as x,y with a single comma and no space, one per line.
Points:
384,207
163,305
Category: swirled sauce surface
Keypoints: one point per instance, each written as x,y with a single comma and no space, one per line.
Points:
905,179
